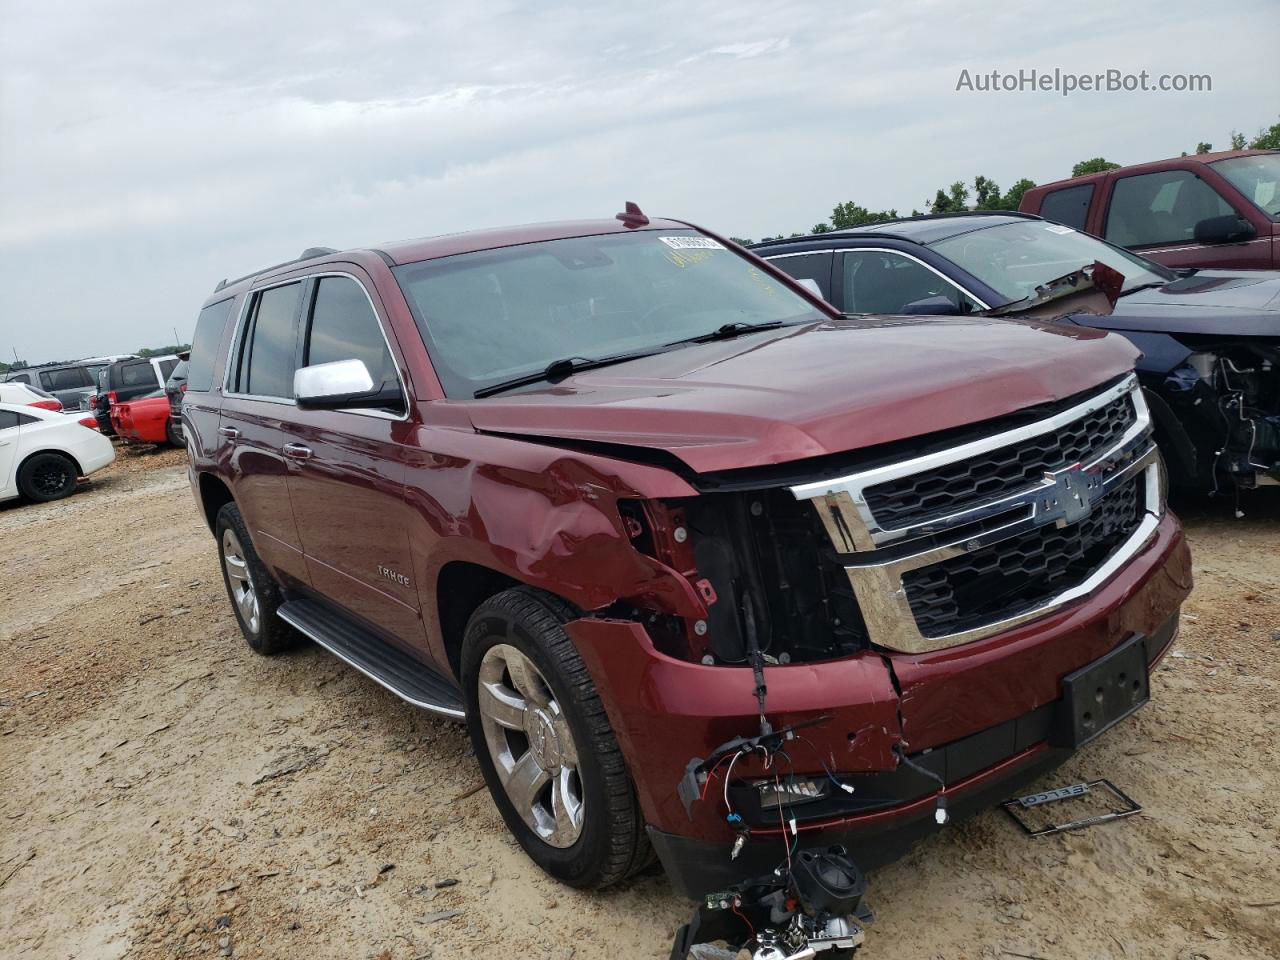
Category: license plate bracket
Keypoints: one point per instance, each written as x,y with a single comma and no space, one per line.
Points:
1098,696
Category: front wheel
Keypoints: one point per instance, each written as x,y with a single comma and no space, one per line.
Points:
544,743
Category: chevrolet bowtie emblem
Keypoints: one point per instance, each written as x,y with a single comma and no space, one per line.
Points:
1068,495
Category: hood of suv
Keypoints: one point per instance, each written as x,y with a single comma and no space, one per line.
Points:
1243,304
814,389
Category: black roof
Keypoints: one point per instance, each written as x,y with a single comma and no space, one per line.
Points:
925,230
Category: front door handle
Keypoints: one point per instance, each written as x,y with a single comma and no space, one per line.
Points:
229,432
297,451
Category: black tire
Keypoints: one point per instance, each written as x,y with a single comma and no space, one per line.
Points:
47,476
265,633
612,844
173,432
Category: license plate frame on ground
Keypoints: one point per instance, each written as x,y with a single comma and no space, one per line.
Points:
1128,807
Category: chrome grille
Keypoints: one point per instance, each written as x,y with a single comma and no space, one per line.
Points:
1071,497
1022,572
989,476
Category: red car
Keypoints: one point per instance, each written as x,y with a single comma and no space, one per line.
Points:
144,420
1207,210
707,568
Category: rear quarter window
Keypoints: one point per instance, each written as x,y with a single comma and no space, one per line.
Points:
204,344
1069,206
9,419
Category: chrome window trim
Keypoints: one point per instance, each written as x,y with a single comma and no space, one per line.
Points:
847,494
874,558
833,250
238,335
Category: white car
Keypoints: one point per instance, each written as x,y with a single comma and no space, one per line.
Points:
42,452
28,396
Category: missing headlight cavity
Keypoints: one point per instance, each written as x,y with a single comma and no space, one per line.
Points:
1223,415
767,556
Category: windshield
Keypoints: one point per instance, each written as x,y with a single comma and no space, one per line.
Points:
1258,178
1015,258
496,315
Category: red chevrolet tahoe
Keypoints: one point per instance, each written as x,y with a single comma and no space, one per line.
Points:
706,567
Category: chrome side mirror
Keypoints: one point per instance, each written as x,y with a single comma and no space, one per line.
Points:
324,384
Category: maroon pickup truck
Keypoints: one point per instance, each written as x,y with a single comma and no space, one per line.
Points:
1207,210
708,569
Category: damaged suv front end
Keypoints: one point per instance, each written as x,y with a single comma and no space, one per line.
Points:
917,615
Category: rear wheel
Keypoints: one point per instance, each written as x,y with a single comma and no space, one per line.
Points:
544,743
255,596
47,476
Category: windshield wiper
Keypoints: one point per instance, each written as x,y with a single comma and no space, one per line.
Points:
557,370
728,331
1143,286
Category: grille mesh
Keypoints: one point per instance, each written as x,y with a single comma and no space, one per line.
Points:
998,473
1022,572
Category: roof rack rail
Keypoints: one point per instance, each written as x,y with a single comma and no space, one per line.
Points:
308,254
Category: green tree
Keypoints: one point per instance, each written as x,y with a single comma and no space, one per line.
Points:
986,194
163,351
1203,147
1096,165
743,242
1013,197
821,228
1268,139
1238,140
954,200
849,214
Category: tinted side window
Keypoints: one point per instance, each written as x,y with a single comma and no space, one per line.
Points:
881,282
8,419
166,368
68,378
809,266
137,374
1161,208
271,348
205,342
21,378
344,327
1069,205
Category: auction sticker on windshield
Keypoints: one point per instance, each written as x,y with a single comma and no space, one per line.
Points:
687,243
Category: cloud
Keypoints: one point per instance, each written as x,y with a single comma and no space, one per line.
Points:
148,150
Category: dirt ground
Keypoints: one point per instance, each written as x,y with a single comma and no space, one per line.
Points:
166,793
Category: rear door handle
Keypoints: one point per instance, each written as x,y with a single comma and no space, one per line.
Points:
297,451
229,432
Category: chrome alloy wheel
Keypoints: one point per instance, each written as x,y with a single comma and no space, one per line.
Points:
532,747
243,592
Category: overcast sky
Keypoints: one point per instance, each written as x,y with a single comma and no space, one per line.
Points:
148,149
